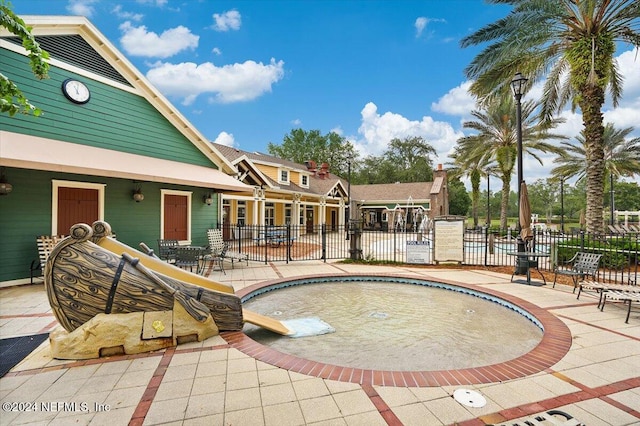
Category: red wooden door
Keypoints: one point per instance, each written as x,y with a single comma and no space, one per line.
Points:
76,205
175,217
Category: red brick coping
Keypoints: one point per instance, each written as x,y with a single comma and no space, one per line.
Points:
555,343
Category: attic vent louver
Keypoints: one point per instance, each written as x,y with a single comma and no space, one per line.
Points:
74,50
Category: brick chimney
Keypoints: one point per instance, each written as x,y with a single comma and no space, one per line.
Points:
323,173
311,166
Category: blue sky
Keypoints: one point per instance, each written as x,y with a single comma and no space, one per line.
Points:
246,73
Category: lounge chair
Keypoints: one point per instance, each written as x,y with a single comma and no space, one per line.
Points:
601,288
579,266
217,246
628,297
614,230
46,243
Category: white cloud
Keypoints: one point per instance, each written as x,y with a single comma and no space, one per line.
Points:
230,83
629,66
458,101
337,130
216,51
117,10
229,20
153,2
296,123
81,7
422,22
226,139
137,41
378,130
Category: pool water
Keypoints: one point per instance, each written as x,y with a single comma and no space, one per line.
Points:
396,326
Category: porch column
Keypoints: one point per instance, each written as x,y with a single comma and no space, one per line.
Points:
295,216
322,220
342,214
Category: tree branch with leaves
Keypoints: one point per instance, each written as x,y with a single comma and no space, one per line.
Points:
12,100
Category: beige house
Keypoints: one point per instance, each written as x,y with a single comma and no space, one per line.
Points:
284,192
309,195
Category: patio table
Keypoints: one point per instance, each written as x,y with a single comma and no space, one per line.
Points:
523,260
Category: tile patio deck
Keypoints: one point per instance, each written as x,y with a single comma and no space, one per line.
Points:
595,375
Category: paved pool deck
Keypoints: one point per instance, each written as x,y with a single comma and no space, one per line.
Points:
587,366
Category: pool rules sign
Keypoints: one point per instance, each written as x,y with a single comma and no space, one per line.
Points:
419,252
448,239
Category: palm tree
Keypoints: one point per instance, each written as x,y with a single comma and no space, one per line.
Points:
621,156
468,163
496,140
571,44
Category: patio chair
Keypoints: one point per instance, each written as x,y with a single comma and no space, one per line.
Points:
189,257
214,258
627,297
581,265
167,250
45,243
216,244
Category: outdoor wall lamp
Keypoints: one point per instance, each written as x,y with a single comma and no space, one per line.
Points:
208,199
5,187
138,195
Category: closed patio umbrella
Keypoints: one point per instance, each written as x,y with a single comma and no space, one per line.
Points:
525,213
583,220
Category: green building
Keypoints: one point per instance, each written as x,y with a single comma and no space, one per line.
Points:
105,135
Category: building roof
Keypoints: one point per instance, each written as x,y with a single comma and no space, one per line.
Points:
317,185
392,192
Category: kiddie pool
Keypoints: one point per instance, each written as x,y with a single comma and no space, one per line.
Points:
404,363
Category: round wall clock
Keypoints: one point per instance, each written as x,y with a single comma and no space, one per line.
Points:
76,91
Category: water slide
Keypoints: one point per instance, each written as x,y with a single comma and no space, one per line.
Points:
157,265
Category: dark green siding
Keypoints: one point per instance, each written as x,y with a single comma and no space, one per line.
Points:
113,118
26,213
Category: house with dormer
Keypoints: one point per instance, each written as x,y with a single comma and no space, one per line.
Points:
309,195
108,146
284,192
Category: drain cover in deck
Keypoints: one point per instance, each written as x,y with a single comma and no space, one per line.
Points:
469,398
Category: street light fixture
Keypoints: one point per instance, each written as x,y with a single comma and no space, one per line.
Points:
518,85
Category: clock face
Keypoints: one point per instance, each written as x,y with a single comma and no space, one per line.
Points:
76,91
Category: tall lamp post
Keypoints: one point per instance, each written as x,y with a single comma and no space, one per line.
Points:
518,85
488,201
562,205
611,194
348,196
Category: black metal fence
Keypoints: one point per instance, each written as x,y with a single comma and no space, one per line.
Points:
481,247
